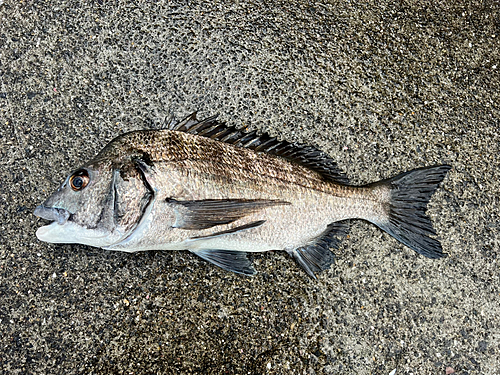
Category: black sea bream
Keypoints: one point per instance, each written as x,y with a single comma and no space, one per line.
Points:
220,192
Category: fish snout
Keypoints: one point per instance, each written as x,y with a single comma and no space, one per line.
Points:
59,215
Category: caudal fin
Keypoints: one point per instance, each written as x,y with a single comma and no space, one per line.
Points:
406,221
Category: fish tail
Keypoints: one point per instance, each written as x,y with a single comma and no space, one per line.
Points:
406,220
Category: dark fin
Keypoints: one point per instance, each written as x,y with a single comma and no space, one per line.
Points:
306,156
407,221
169,122
184,124
316,256
251,225
234,261
207,213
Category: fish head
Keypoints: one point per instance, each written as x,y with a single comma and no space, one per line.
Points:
81,209
100,203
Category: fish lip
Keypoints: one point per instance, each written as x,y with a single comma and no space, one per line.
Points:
55,214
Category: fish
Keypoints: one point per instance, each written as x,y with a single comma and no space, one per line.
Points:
221,192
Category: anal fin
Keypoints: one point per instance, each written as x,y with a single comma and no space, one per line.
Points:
230,260
316,255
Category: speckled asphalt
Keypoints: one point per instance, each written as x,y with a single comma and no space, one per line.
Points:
381,86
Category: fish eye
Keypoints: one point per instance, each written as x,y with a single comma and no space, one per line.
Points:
79,180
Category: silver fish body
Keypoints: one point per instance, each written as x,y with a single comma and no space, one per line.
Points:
220,192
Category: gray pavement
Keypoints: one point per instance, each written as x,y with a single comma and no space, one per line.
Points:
381,86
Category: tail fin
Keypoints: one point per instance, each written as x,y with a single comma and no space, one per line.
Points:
406,221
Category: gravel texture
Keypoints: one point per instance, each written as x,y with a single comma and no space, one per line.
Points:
381,86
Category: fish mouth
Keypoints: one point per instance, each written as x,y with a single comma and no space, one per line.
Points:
57,215
63,230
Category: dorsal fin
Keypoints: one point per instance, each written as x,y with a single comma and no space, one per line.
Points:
307,156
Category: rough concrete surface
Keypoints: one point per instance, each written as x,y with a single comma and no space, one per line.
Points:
380,86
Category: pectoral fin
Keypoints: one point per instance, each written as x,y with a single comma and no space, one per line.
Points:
240,228
234,261
207,213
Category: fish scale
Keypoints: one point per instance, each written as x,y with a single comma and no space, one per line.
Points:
221,192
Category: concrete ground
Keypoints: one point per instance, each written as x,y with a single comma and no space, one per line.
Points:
380,86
